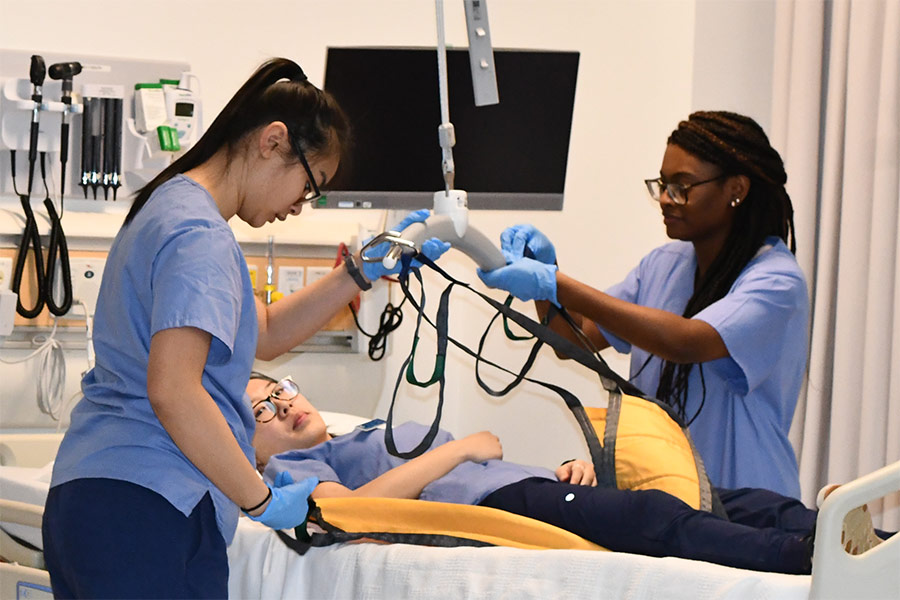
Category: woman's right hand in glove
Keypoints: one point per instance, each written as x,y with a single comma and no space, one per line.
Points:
289,504
515,240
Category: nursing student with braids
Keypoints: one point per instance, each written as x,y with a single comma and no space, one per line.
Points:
716,321
157,462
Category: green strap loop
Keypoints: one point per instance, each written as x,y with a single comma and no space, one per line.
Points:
509,333
435,375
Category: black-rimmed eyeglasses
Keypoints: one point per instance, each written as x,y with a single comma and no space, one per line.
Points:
312,191
284,391
677,191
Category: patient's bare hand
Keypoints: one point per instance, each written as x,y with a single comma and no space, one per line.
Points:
577,472
481,446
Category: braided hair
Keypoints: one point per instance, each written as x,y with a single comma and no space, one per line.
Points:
739,146
277,91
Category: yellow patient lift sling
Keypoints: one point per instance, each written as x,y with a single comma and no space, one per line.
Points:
645,445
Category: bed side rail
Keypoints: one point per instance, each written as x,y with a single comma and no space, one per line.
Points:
873,574
11,549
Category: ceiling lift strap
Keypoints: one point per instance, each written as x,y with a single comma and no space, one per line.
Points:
603,458
407,368
446,135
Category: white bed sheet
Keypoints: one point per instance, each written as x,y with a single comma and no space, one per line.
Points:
263,567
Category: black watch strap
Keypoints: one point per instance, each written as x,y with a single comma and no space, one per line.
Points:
350,264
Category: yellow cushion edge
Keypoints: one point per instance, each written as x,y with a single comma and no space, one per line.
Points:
494,526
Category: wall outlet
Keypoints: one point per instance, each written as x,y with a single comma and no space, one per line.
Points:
290,279
6,268
314,274
86,276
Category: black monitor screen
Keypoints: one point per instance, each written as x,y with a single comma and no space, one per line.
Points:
510,155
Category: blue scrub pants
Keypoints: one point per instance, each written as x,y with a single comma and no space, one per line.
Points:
105,538
765,532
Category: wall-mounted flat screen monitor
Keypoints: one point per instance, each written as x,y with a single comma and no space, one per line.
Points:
508,156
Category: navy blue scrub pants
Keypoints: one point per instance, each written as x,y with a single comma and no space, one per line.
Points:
765,532
105,538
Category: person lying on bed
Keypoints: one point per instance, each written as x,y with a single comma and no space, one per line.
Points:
766,531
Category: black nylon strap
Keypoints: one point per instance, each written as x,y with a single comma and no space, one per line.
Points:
333,535
572,402
437,376
525,367
544,333
603,456
318,540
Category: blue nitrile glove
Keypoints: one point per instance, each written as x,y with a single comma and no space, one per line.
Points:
525,278
432,248
514,240
289,505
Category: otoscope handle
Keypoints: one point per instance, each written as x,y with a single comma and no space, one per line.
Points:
38,70
37,73
117,108
33,141
63,155
32,152
86,147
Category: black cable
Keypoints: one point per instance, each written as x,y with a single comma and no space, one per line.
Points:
12,167
58,247
43,156
31,240
390,319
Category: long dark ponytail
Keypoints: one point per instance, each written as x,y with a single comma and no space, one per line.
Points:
277,91
739,146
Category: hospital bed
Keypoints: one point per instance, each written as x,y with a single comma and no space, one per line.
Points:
262,566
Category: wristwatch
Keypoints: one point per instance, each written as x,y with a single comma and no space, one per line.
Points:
361,281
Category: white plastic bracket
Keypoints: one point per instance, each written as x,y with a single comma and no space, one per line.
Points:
454,204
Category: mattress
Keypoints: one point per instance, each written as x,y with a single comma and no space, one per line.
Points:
262,566
29,485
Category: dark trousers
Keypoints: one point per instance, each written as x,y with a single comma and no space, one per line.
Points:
105,538
765,531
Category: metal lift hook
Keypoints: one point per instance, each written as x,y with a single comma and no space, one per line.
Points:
398,246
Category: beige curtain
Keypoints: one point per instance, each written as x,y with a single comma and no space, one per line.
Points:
836,119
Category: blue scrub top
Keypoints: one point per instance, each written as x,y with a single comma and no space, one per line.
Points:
742,430
360,456
177,264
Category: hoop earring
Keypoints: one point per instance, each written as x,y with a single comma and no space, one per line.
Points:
735,202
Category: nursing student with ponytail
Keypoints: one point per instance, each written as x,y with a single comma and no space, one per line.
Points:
157,462
715,321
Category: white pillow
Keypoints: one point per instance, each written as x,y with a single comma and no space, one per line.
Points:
338,423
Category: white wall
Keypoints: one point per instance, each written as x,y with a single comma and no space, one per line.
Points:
636,81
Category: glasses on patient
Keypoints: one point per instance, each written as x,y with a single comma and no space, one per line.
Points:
284,391
677,191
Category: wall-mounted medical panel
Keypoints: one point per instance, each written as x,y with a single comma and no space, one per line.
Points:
108,154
